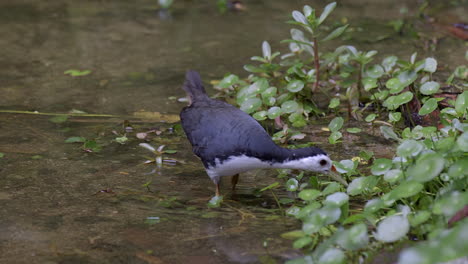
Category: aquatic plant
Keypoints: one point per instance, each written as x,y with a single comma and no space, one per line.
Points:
411,197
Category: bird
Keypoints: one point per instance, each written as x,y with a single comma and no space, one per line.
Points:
229,141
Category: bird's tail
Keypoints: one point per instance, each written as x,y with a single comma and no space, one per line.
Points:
193,86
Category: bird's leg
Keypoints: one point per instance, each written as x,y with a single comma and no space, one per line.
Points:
234,181
218,193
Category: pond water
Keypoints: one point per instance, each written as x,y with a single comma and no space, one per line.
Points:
60,204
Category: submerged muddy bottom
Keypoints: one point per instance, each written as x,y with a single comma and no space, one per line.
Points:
60,204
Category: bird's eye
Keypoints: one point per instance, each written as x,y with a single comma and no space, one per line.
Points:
323,162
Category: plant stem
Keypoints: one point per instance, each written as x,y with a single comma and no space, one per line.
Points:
317,65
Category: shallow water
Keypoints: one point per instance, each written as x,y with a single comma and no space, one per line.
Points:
60,204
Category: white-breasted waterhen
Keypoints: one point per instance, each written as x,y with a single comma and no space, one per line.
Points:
229,141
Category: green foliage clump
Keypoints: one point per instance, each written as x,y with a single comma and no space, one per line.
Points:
411,196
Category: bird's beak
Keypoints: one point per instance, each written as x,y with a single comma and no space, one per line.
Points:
336,176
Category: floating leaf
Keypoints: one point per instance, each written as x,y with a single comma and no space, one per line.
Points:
373,205
429,106
370,117
427,167
405,190
336,124
295,86
228,81
75,140
369,83
392,228
59,119
354,130
354,238
334,136
292,185
375,71
393,176
215,202
250,105
334,102
418,218
274,112
332,256
262,115
356,186
381,166
430,65
461,104
394,116
289,106
429,88
270,92
462,142
394,85
409,148
389,62
309,194
77,73
302,242
331,188
338,198
388,133
92,145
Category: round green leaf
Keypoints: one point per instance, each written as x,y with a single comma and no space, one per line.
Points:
429,88
354,238
356,186
373,205
375,71
269,92
430,65
409,148
289,106
270,101
381,166
274,112
332,256
334,102
295,86
262,115
394,85
353,130
228,81
334,136
292,185
369,83
338,198
419,218
429,106
309,194
392,228
404,98
462,142
407,77
336,124
405,190
461,104
331,188
393,176
389,62
427,167
370,117
250,105
394,116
